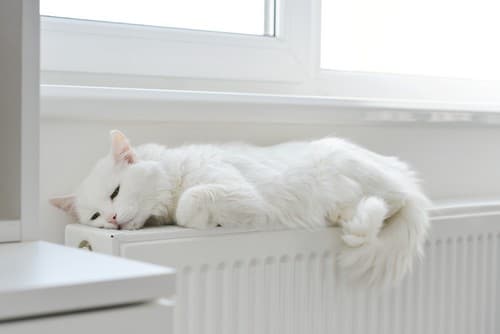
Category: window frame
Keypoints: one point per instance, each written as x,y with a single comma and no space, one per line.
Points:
386,86
226,56
288,63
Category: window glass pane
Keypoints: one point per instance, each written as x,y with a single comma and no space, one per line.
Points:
449,38
235,16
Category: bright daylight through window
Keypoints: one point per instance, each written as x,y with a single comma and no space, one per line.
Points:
254,17
446,38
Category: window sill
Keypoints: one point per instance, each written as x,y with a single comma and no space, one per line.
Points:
131,104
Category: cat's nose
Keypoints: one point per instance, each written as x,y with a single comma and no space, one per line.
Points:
112,219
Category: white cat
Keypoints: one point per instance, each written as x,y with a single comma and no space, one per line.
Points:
299,184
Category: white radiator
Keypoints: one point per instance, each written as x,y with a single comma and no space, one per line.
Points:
286,281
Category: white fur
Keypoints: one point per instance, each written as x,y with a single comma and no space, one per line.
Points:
300,184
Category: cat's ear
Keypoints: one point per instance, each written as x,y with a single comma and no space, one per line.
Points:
65,203
120,148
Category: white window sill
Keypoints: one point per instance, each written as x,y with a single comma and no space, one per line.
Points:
132,104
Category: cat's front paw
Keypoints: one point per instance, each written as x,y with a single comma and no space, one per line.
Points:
192,210
103,224
130,226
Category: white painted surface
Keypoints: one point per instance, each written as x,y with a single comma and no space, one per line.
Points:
10,230
30,120
10,108
132,104
288,281
38,278
153,317
19,118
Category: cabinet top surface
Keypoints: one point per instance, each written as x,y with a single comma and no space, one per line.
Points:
39,277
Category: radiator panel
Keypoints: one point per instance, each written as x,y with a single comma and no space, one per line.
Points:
288,282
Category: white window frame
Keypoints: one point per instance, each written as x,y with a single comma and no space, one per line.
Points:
288,63
384,86
122,49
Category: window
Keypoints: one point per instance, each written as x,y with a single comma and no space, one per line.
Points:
264,44
439,50
254,17
446,38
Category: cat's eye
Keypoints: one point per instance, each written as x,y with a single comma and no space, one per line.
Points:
115,193
95,216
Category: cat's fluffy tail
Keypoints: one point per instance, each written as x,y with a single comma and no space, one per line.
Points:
382,253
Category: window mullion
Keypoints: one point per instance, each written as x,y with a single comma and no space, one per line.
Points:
270,18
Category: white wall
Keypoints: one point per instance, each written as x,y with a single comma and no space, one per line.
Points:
456,161
19,115
10,109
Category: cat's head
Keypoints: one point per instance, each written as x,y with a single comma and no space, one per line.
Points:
120,192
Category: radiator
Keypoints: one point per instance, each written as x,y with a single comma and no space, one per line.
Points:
288,282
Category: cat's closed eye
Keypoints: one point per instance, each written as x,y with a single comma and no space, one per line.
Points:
95,216
115,193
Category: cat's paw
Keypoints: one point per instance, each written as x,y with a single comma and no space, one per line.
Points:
103,224
336,216
358,232
192,210
130,226
366,223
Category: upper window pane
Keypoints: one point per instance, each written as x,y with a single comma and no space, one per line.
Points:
255,17
446,38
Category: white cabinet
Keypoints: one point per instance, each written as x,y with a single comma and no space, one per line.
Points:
51,288
151,318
